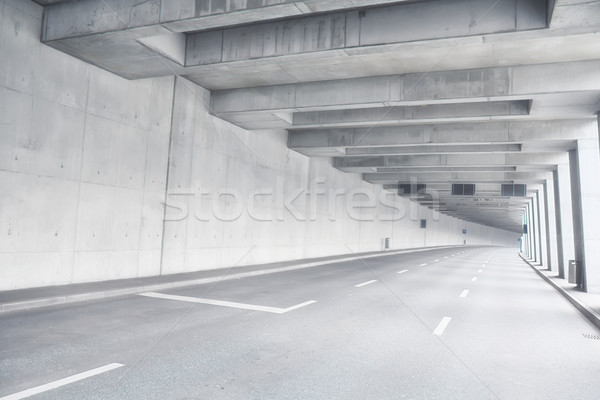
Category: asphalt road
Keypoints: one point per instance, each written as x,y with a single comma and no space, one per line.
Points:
464,323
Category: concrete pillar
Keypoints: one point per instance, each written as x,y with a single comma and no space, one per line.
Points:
542,227
550,218
558,241
525,245
530,252
535,230
585,190
564,218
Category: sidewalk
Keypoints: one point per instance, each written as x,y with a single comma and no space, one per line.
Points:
25,299
587,303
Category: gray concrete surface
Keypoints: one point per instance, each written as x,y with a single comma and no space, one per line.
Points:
587,303
94,166
27,299
491,36
511,336
254,79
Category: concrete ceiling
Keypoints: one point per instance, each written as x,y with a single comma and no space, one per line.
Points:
441,91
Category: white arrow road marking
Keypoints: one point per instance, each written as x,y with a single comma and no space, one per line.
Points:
230,304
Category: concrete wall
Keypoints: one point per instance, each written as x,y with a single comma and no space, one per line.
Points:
86,157
211,156
83,160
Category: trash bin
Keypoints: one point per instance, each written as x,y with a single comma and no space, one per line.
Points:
575,272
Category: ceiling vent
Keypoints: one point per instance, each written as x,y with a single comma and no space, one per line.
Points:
405,189
463,189
513,190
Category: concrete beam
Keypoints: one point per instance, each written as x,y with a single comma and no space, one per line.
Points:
426,162
483,190
478,211
554,146
442,149
413,89
512,207
369,27
385,116
428,170
103,16
417,171
95,30
496,205
470,177
446,134
489,213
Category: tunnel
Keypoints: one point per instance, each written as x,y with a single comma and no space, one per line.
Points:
317,199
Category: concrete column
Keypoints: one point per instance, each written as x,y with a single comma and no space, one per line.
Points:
551,235
534,236
564,218
542,227
535,230
530,252
585,190
525,236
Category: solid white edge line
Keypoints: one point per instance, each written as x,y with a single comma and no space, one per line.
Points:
230,304
365,283
464,293
442,326
403,271
62,382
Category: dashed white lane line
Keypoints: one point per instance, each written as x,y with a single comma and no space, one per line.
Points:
480,270
365,283
403,271
436,260
422,265
61,382
474,279
446,257
442,326
230,304
464,293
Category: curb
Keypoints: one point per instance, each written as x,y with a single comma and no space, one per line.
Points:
587,311
106,294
